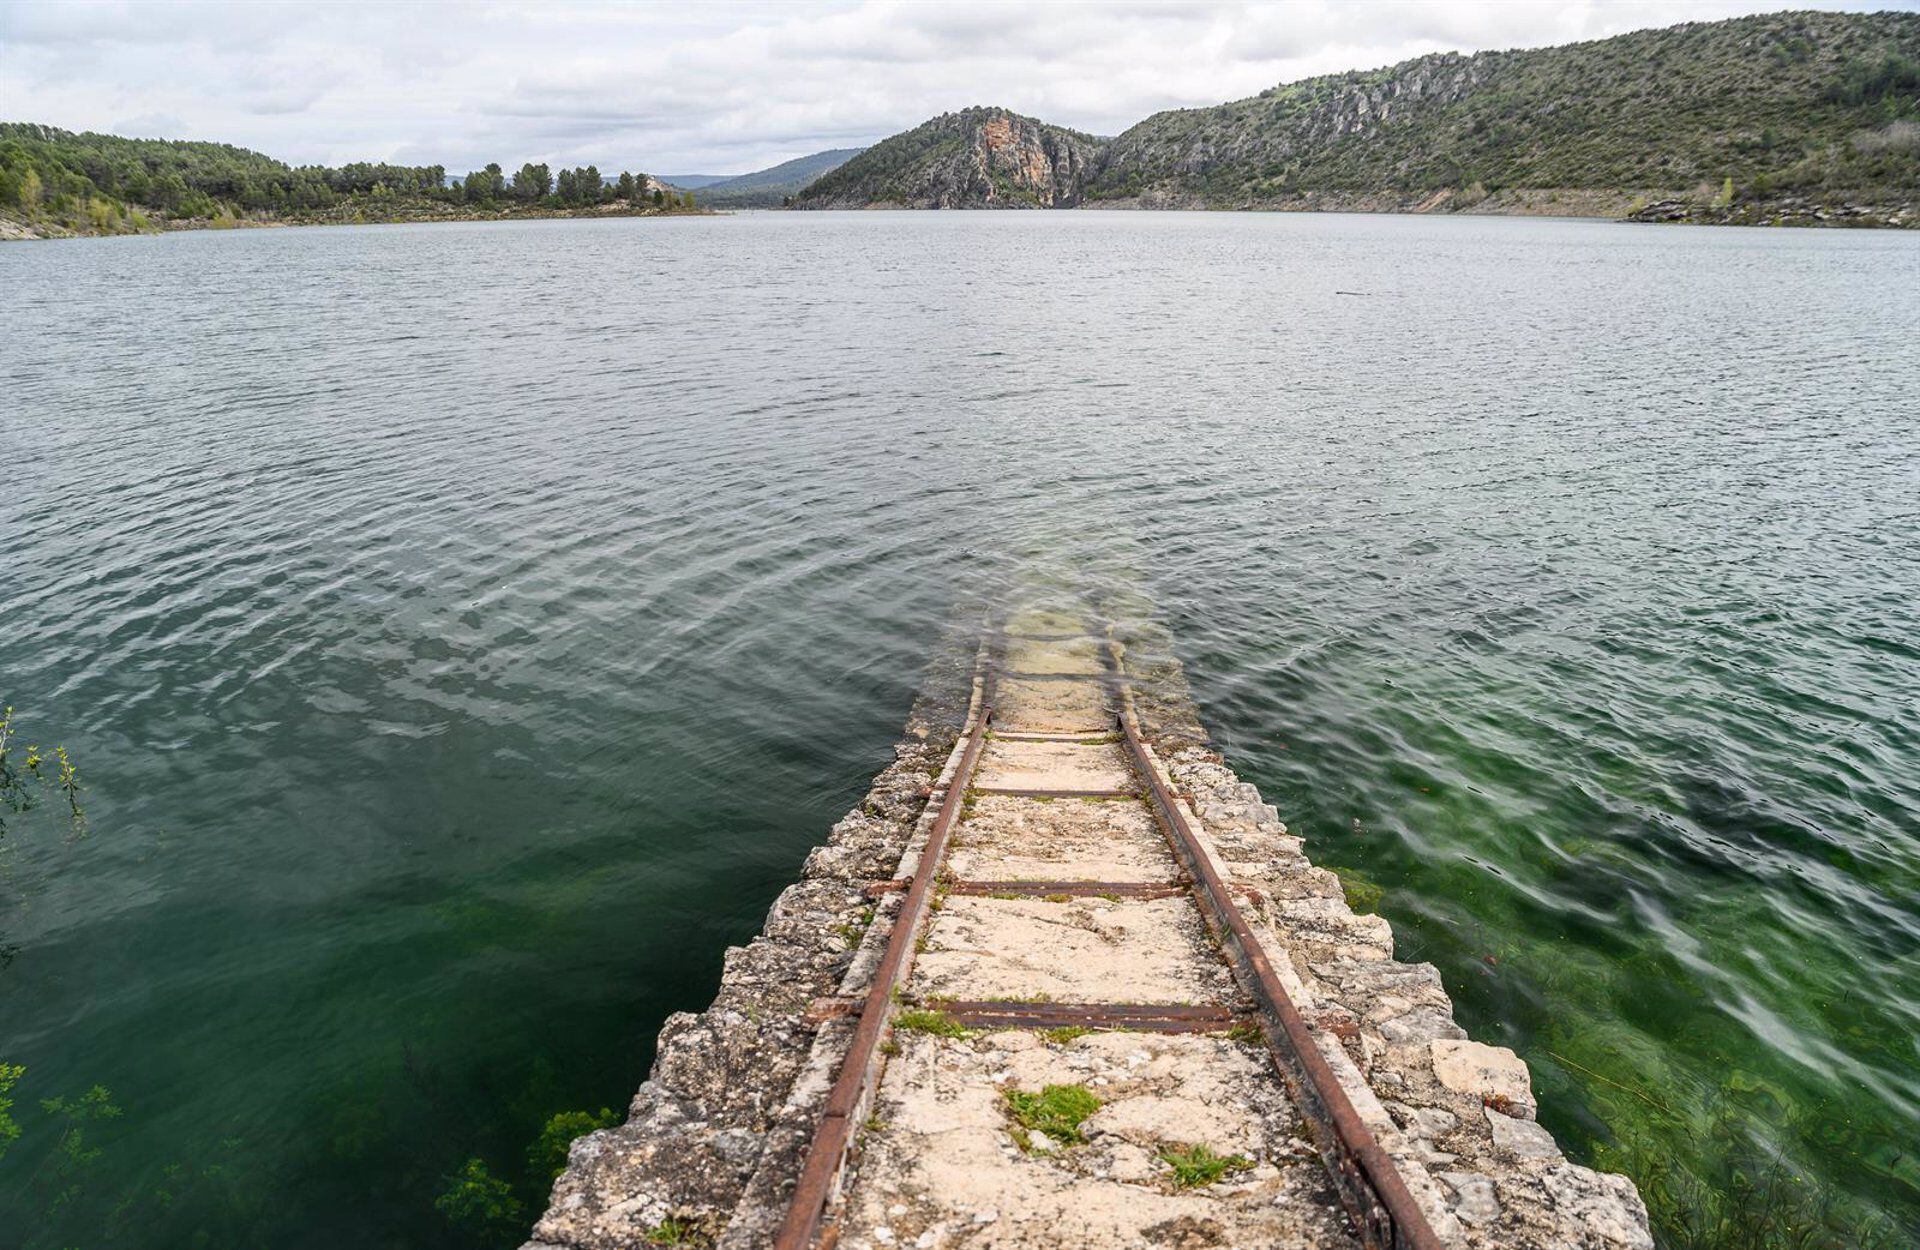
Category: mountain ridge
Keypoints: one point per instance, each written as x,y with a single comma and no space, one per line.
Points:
767,187
1752,118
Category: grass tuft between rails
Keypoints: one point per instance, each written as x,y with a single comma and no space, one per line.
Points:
1057,1111
672,1232
938,1023
1198,1165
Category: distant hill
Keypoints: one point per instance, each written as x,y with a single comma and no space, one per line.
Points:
1781,116
765,188
693,182
976,158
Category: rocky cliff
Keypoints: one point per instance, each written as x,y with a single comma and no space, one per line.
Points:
1783,100
1732,118
1194,155
976,158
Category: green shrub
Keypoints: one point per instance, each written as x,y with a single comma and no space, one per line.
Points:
477,1201
10,1074
548,1154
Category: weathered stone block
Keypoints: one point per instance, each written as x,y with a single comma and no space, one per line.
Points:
1492,1073
1521,1138
1422,1024
1598,1210
1474,1199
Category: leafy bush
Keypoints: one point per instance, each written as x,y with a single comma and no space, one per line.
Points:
476,1201
10,1074
548,1154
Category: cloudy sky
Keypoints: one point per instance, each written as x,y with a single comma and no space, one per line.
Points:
707,88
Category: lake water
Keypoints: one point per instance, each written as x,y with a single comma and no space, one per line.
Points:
464,631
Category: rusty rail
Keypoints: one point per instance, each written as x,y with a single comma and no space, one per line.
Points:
1060,739
1041,889
1069,889
1014,792
1133,1017
860,1070
1371,1187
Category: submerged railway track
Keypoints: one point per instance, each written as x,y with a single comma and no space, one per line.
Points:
1051,727
1063,980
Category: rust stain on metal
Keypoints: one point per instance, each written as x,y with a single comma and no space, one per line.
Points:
1004,793
1069,889
1340,1024
859,1070
1376,1196
1062,739
1138,1017
821,1010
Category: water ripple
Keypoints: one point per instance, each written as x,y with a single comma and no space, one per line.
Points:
466,630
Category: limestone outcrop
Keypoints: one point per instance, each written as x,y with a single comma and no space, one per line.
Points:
976,158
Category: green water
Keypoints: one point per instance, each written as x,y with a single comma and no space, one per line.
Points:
465,631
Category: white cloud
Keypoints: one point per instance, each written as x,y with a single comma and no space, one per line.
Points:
682,88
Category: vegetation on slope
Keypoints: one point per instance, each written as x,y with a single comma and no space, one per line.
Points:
1731,119
56,181
1806,102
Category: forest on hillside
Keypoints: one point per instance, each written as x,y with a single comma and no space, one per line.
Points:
103,184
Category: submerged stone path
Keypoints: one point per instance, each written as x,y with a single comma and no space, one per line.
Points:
1056,1134
1071,1058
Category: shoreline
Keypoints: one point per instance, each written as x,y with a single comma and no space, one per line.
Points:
1668,211
16,230
1638,209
